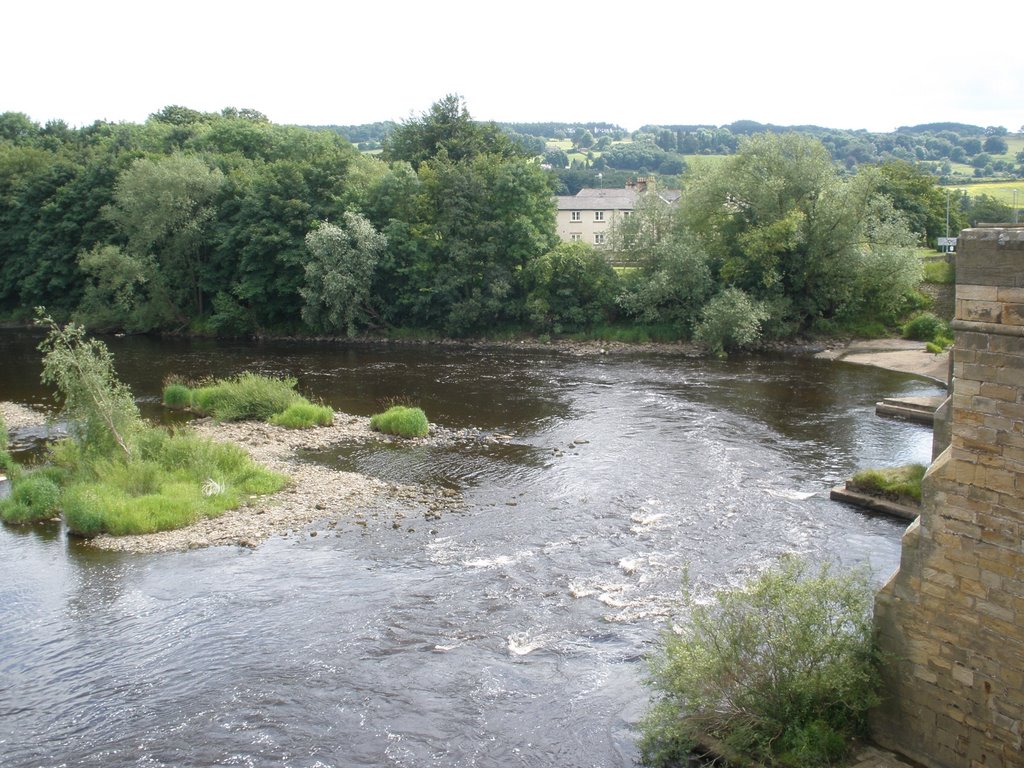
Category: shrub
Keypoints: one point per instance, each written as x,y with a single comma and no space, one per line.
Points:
401,420
246,396
731,320
925,327
177,395
901,484
782,670
34,498
304,416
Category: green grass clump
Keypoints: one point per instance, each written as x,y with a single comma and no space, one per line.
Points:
34,498
246,396
250,396
781,671
303,416
900,484
177,395
172,481
401,420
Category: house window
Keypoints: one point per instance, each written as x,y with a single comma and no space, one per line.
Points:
626,213
577,216
575,237
599,238
598,215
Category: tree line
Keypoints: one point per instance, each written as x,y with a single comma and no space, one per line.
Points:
226,223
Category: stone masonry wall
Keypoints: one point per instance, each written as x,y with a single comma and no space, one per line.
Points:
951,620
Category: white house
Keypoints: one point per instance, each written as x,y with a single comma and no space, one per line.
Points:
588,215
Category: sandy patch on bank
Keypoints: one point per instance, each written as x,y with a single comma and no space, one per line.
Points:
899,355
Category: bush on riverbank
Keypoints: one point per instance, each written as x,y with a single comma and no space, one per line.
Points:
401,420
899,484
929,328
781,670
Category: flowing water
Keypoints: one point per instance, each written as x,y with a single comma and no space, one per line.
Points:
510,633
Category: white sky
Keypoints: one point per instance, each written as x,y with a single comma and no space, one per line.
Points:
874,64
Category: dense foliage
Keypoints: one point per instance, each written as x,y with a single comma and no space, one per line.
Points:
780,670
227,224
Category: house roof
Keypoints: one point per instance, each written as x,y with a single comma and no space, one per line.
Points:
608,199
598,199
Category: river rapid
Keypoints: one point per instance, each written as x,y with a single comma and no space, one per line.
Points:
510,630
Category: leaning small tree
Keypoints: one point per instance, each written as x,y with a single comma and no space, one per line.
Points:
99,408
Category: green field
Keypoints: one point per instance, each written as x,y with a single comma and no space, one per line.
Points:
1002,190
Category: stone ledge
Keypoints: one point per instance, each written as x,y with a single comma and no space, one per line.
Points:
873,503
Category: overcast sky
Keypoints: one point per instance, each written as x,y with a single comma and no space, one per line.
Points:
873,64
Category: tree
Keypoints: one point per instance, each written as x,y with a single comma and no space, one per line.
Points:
339,274
478,224
99,408
915,193
556,158
122,292
729,321
995,145
571,286
779,223
985,208
164,207
447,128
674,277
582,138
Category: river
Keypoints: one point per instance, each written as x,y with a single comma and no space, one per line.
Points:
511,632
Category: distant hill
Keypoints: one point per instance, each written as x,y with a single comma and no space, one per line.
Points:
961,129
953,152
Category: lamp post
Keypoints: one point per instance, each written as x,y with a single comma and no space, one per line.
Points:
1016,211
947,212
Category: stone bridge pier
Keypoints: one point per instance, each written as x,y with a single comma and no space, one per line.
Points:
951,620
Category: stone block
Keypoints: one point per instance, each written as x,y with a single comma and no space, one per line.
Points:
980,311
1002,392
978,292
1010,295
1013,314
